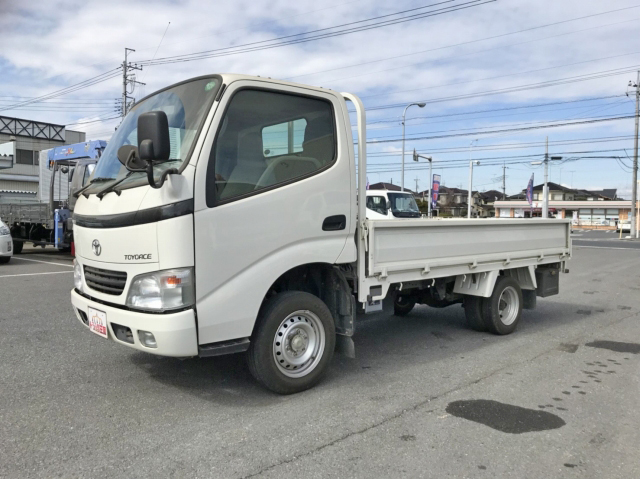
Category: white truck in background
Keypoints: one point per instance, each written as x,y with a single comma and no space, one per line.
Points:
225,215
385,204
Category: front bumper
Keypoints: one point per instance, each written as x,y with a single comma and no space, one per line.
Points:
6,245
175,333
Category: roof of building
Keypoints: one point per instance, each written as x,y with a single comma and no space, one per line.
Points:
387,186
607,193
491,195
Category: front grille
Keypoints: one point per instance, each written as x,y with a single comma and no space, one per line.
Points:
105,281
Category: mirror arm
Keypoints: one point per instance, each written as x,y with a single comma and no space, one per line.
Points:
151,179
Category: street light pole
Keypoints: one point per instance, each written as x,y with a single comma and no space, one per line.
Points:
471,163
404,114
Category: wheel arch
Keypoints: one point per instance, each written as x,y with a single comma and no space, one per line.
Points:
327,282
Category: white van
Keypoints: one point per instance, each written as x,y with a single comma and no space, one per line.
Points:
385,204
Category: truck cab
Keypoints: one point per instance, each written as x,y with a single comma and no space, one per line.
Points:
385,204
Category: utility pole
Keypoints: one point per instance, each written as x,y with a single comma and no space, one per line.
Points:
417,184
504,181
545,189
572,172
634,186
128,79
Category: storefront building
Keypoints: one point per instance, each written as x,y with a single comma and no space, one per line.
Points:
590,214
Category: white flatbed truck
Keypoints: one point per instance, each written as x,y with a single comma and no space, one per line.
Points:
225,215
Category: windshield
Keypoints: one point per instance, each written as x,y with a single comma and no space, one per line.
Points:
186,105
404,205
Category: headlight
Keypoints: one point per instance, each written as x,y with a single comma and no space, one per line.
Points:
77,275
4,230
162,290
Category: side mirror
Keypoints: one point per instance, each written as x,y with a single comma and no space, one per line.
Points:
388,205
153,136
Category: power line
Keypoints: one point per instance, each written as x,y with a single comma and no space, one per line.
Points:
291,40
505,130
482,39
503,76
518,88
64,91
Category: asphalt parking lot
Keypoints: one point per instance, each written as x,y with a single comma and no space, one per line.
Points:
425,397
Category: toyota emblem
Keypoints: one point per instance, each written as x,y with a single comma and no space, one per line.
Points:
95,246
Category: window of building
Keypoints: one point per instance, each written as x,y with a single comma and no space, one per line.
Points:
598,217
584,216
24,157
557,196
268,139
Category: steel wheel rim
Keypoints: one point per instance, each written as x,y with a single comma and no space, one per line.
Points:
508,305
298,344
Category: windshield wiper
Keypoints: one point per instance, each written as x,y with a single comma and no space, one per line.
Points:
95,180
102,193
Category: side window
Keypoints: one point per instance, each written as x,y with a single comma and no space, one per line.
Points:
87,173
283,138
267,139
377,204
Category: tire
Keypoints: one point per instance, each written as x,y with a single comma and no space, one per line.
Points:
17,247
473,312
5,259
285,318
502,311
403,305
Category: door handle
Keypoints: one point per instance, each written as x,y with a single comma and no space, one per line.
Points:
334,223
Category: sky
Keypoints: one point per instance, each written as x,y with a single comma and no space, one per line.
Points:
497,77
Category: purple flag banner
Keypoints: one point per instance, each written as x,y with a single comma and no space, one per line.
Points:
435,191
530,191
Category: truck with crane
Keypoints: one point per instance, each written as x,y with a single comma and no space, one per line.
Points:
226,216
64,170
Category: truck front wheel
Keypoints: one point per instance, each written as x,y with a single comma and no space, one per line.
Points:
293,342
502,311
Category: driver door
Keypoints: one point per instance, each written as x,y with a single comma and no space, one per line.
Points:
273,191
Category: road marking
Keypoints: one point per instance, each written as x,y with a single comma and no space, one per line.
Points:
32,274
44,262
604,247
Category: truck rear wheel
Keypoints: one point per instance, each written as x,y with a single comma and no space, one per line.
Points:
502,311
293,342
473,312
403,305
5,259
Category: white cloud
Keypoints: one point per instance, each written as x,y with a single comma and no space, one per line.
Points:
50,45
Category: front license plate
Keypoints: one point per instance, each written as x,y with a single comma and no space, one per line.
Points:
98,322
